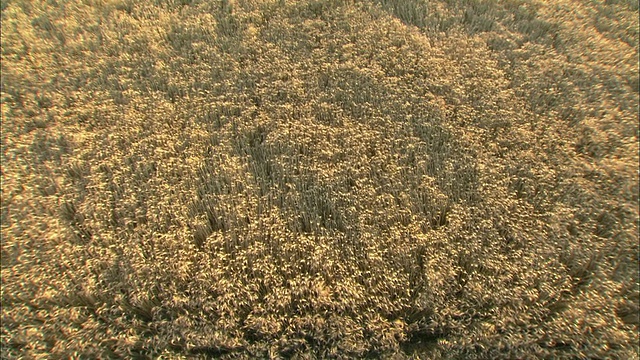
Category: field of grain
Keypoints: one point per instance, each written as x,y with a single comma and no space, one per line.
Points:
447,179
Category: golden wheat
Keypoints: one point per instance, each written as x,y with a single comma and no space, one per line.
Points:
319,179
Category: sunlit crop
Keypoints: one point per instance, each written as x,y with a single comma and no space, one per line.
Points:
451,179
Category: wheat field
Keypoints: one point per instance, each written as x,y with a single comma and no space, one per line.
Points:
447,179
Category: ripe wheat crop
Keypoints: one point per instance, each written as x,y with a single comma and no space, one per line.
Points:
450,179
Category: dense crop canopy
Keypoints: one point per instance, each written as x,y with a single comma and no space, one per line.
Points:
321,178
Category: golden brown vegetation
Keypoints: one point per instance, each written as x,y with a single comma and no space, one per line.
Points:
320,178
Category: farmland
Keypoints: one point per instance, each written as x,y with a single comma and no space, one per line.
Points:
449,179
